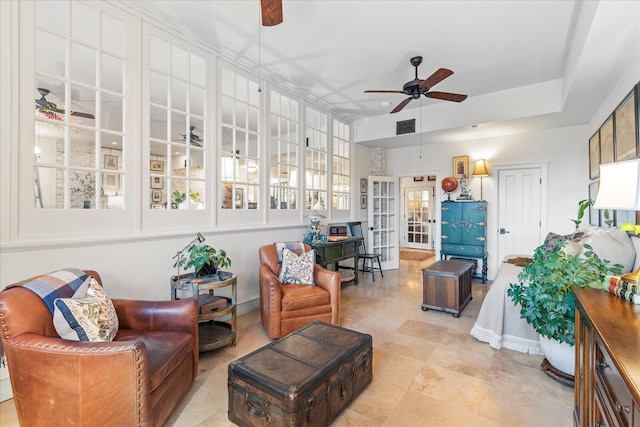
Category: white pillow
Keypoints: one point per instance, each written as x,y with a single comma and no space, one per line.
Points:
614,245
635,240
297,269
92,319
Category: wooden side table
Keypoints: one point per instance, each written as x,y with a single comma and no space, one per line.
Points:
218,328
446,286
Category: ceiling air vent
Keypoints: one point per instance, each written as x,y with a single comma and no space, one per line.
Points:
406,126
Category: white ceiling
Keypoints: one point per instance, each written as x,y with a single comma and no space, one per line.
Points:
524,64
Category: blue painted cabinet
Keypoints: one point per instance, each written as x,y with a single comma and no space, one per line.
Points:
464,232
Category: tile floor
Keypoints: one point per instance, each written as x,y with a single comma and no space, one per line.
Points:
427,369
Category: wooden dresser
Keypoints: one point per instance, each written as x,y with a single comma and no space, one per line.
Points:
607,380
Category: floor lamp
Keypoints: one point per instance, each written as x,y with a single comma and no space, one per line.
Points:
481,171
620,189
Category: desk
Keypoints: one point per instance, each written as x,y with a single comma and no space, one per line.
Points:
333,252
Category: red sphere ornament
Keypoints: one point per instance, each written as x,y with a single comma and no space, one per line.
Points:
449,184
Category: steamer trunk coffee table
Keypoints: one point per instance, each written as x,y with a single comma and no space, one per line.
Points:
303,379
446,286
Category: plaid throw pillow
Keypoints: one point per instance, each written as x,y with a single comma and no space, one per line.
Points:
297,269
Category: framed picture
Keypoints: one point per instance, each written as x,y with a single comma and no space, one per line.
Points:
363,186
227,196
607,154
110,181
461,167
157,206
156,196
156,166
110,162
157,182
594,215
363,201
594,156
238,198
626,142
418,178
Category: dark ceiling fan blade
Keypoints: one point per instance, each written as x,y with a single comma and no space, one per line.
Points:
435,78
402,105
271,12
455,97
384,91
85,115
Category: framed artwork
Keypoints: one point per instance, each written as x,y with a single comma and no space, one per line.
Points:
363,201
363,185
594,156
156,196
110,181
157,206
110,162
626,141
238,198
461,167
157,182
418,178
227,196
606,142
594,215
156,166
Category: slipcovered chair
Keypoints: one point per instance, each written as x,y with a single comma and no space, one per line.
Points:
285,308
135,380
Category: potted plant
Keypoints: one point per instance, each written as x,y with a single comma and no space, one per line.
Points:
204,259
544,291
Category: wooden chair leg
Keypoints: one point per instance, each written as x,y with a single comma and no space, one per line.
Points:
379,266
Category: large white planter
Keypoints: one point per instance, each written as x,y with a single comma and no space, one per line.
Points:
560,355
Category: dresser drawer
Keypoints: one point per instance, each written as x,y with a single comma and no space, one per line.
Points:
451,248
612,385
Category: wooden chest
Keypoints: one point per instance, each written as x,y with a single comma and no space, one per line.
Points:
446,286
303,379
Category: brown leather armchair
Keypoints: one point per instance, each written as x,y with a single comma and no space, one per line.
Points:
135,380
286,308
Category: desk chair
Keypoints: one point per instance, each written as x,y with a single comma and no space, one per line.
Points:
356,231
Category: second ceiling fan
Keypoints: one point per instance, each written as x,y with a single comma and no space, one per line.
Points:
417,87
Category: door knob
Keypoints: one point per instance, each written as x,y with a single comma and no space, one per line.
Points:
503,231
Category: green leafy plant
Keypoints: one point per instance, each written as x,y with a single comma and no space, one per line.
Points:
200,256
583,205
178,197
544,288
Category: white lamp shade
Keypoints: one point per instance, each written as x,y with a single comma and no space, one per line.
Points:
619,186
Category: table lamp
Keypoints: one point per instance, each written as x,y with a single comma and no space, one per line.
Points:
481,171
620,189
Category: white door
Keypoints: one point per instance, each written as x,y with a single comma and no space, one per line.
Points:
383,236
418,208
519,210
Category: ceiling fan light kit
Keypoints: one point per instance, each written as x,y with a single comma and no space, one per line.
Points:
417,87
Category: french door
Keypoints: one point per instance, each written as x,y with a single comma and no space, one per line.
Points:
383,236
418,208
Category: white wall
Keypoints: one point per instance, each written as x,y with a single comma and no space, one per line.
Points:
564,150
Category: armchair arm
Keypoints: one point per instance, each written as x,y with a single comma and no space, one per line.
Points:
270,301
180,315
64,382
329,281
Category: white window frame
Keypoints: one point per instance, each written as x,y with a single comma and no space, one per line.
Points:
43,224
154,219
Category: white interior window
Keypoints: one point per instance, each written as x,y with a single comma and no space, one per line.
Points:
283,152
341,166
316,124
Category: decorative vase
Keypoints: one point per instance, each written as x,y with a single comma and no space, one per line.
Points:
560,355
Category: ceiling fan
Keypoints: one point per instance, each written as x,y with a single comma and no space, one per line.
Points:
417,87
271,12
193,138
51,110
